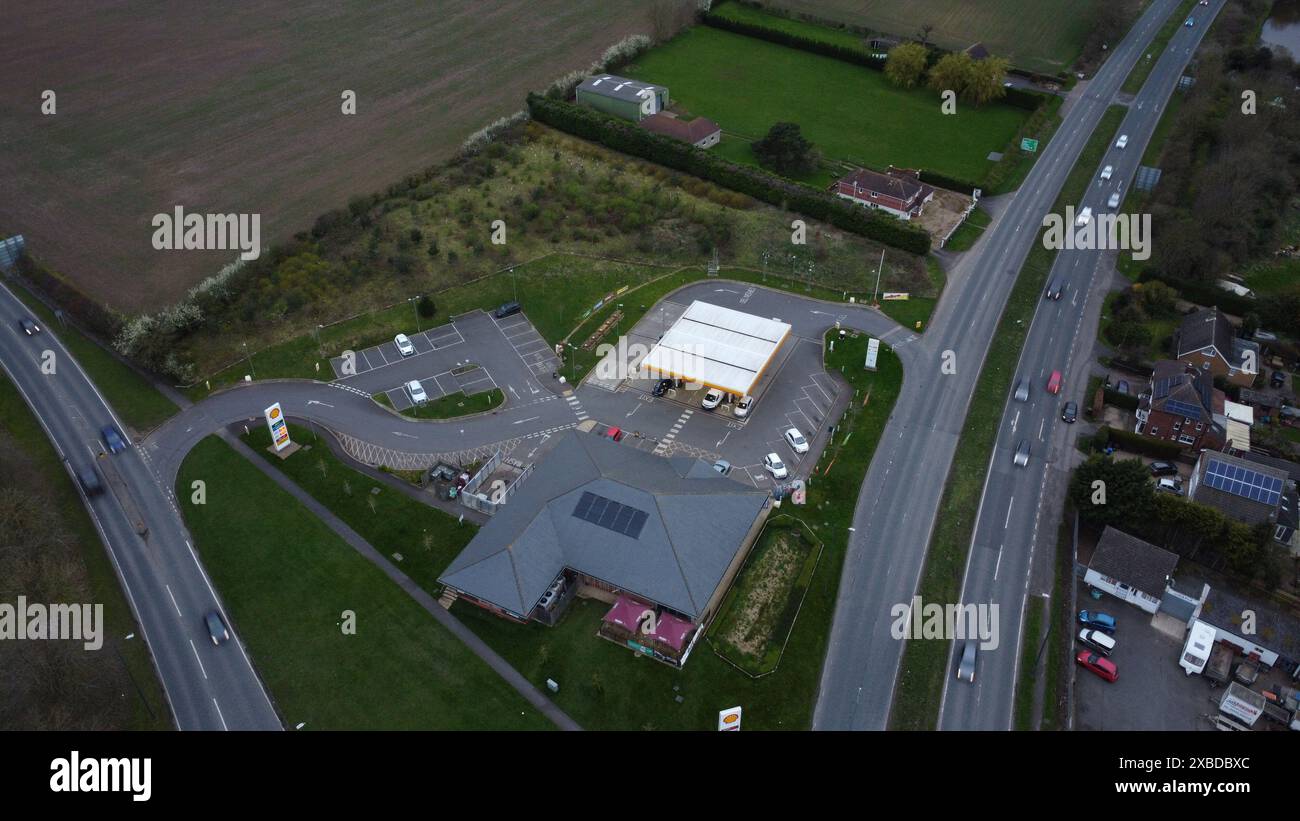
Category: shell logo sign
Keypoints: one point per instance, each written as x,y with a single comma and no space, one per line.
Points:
278,427
729,719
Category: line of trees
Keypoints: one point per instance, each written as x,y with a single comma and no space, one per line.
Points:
975,81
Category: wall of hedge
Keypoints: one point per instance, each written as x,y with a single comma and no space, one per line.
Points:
861,56
84,310
630,138
1205,293
1137,443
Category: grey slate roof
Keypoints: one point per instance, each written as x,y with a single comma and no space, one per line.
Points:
697,521
1209,328
1230,504
620,88
1274,629
1134,562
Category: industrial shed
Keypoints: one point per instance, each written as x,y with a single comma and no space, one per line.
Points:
718,347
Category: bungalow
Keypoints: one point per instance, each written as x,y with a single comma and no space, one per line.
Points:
658,539
630,99
898,191
1256,631
1182,405
1248,491
700,132
1130,569
1206,339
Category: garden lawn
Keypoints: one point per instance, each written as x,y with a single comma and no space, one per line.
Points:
849,112
287,579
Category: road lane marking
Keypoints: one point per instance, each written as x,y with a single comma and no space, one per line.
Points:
199,660
174,604
219,715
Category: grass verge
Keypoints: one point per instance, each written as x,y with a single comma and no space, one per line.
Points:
969,231
289,581
924,663
451,406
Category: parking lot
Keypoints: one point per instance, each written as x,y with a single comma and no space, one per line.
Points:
468,380
529,345
385,354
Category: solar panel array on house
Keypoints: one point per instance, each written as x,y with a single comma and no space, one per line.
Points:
1186,409
1243,482
610,514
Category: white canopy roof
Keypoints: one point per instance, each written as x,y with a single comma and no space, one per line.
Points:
718,347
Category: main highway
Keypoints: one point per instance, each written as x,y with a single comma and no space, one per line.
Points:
899,504
1020,505
208,687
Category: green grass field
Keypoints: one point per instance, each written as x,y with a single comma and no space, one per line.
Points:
138,403
916,698
606,687
288,579
143,706
1044,35
850,112
970,231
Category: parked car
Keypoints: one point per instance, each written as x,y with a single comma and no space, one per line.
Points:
1107,172
722,466
216,628
615,434
1113,202
1278,379
1170,484
966,669
773,465
1070,412
1054,383
29,326
1265,336
1022,390
796,440
712,398
113,439
742,407
661,387
1122,142
1163,469
404,345
1096,663
1097,640
1022,454
507,309
1084,217
418,396
1122,387
1099,620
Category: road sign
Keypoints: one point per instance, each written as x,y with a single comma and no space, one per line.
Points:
279,428
873,351
729,719
1029,145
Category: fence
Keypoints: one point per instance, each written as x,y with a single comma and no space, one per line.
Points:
489,503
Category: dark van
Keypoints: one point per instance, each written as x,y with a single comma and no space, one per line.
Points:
89,480
506,310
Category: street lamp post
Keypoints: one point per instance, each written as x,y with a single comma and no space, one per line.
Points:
415,303
249,357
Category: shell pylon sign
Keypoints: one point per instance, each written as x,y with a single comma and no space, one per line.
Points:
279,428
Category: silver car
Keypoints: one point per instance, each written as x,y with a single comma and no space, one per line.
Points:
1022,390
1022,453
966,669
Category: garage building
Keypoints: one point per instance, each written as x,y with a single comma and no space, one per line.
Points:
717,347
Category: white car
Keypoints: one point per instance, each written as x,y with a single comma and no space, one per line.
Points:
1084,217
743,406
796,440
712,399
1107,172
418,396
1113,202
404,345
773,465
1122,142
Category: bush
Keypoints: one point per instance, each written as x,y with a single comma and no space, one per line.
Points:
1137,443
861,56
628,138
426,308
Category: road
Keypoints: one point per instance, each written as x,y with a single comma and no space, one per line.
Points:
1020,505
898,507
207,687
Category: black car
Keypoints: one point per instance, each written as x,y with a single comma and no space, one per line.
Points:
507,309
1278,379
29,326
1070,412
216,627
661,387
1163,469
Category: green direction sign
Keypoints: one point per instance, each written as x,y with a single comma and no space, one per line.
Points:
1027,144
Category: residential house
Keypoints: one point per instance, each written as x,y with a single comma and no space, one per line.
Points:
1206,339
630,99
1181,405
898,191
1258,631
659,539
700,132
1287,527
1248,491
1130,569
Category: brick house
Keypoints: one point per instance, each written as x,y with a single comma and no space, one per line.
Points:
898,191
1206,339
700,132
1181,405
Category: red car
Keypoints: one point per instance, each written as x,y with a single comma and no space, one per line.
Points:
1095,662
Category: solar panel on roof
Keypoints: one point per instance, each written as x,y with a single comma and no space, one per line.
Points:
611,515
1243,482
1183,408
